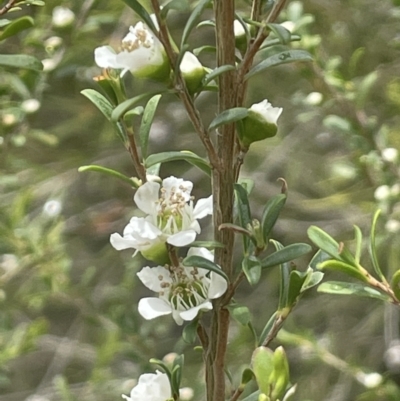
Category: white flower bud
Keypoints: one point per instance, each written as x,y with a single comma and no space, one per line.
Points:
314,98
62,17
382,193
52,208
369,380
30,106
390,155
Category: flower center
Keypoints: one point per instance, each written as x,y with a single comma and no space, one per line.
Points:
187,290
137,37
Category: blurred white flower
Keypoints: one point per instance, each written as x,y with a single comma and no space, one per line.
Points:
30,106
171,217
186,394
182,291
395,190
52,208
62,17
151,387
369,380
314,98
49,64
289,25
392,226
382,193
390,155
142,54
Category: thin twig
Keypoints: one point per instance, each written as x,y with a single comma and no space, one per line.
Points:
181,88
278,323
237,394
133,151
7,7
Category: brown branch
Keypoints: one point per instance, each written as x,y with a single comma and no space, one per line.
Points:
7,7
278,323
133,151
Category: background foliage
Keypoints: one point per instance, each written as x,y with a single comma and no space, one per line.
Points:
69,328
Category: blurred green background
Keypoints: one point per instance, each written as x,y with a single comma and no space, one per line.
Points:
69,326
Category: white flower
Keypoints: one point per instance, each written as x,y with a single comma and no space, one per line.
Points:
390,155
151,387
192,71
62,17
186,394
260,123
142,54
52,208
266,111
171,217
30,106
382,193
369,380
314,98
182,291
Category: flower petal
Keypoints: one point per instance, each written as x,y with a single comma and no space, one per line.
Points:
203,208
204,252
150,308
147,196
120,243
182,238
152,277
218,286
191,313
105,57
177,186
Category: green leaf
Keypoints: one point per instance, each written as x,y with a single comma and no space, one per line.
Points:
342,288
324,241
273,42
206,48
100,101
192,20
21,61
122,108
247,376
244,212
240,313
271,214
395,284
285,254
296,281
285,57
177,5
133,182
199,261
281,32
217,72
4,22
252,397
17,26
267,328
207,244
229,116
358,236
189,333
141,11
313,278
145,125
262,364
372,247
176,375
318,258
185,155
252,269
343,267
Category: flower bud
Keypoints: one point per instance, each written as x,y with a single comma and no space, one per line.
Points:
62,17
261,123
240,36
192,71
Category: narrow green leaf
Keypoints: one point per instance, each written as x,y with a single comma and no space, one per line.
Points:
252,269
240,313
192,20
358,236
4,22
122,108
217,72
267,328
206,49
281,32
285,254
271,214
342,288
395,284
177,5
285,57
372,247
189,333
243,207
133,182
141,11
207,244
199,261
247,376
313,278
185,155
17,26
296,281
342,267
318,258
176,374
145,125
324,241
20,61
229,116
273,42
100,101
